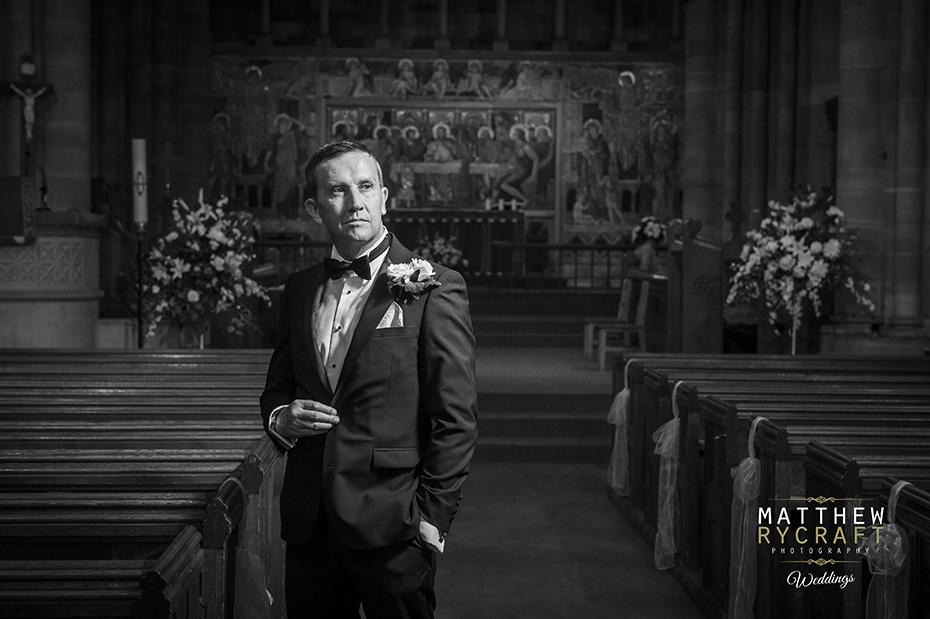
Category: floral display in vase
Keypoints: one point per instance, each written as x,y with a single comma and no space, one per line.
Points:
647,235
800,252
442,251
195,271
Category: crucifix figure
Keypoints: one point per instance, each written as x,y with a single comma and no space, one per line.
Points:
29,106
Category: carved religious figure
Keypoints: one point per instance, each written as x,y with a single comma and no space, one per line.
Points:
441,149
411,148
545,156
29,97
406,83
663,136
474,83
359,79
281,162
522,165
595,156
439,83
222,160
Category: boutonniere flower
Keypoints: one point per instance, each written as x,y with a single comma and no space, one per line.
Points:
408,281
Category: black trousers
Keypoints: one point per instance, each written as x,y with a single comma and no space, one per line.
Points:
325,579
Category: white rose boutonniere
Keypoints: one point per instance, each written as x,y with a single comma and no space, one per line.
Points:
408,281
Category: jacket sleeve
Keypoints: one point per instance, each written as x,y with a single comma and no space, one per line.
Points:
448,399
280,384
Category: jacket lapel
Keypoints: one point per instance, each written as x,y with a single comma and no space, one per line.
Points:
318,379
377,304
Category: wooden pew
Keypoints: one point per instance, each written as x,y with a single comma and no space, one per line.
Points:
726,431
733,378
786,451
913,514
112,520
652,403
55,408
169,586
858,478
736,370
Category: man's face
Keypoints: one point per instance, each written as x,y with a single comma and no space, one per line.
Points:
350,201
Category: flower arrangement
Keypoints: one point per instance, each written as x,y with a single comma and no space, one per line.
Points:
649,229
195,270
441,250
800,250
407,281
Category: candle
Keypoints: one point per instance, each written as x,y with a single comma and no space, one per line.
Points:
140,195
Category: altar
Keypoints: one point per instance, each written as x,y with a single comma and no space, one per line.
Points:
473,231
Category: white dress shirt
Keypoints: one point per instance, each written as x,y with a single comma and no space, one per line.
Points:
336,313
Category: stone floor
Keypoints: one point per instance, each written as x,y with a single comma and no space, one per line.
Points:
541,540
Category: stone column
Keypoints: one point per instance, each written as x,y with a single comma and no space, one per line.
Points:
384,31
501,43
442,24
67,66
733,107
15,39
785,68
560,44
323,39
700,181
909,191
192,111
862,147
618,42
756,121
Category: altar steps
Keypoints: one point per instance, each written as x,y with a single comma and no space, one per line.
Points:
541,405
536,318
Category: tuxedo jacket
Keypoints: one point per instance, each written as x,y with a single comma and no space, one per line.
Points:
407,405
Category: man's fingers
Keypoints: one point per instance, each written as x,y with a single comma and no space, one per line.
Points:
313,405
306,417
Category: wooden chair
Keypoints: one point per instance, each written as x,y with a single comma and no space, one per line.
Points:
623,318
637,328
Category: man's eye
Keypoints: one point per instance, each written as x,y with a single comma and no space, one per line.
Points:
365,186
336,191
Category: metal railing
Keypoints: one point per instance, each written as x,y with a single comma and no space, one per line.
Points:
276,258
565,265
513,265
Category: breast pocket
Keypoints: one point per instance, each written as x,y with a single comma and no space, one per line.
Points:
394,332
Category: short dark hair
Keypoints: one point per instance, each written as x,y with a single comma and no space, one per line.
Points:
331,151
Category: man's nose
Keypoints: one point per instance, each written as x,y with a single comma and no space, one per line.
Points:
354,200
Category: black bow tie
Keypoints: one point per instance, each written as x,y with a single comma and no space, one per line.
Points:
337,268
361,265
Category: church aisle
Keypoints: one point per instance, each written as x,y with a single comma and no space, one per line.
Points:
541,541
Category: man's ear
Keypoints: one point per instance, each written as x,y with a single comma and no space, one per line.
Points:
313,210
384,202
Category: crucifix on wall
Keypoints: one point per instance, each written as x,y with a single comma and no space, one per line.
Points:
29,92
29,97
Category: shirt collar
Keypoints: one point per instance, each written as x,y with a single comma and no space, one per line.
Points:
374,264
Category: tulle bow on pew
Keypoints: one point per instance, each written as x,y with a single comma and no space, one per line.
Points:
666,438
618,470
747,479
886,557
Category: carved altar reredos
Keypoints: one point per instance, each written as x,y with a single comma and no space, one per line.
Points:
585,149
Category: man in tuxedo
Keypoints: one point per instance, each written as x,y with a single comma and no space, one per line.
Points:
371,391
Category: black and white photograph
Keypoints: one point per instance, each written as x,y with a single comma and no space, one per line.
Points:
473,309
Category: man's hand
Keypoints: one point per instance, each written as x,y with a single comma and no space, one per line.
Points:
305,418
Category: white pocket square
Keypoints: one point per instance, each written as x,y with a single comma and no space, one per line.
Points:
393,317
